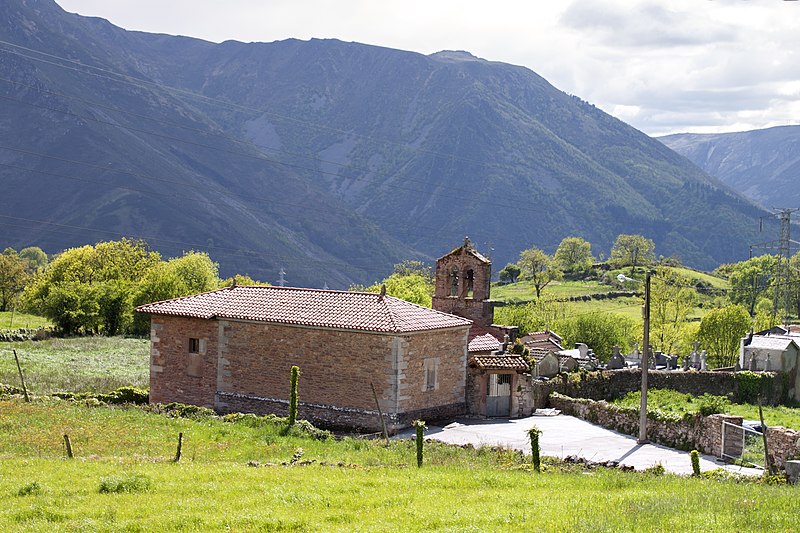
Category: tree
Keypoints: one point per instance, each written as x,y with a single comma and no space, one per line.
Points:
538,267
90,288
574,256
598,330
13,278
720,333
751,281
794,277
192,273
510,273
35,257
633,251
671,302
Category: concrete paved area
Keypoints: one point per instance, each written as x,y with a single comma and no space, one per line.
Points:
564,435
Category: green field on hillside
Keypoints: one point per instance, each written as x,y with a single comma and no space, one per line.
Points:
524,290
9,320
247,476
79,364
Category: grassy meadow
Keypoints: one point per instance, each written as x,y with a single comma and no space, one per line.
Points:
9,320
241,476
80,364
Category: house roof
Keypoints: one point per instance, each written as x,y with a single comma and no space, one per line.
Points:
309,307
483,343
469,248
499,362
771,343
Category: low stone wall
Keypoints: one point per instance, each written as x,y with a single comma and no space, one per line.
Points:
331,417
611,384
783,444
703,433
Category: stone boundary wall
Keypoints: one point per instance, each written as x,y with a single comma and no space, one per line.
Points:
611,384
332,417
703,433
783,444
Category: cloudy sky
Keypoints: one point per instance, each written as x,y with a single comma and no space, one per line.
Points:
698,66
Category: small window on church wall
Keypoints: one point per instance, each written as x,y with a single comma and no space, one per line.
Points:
469,281
430,369
194,345
454,282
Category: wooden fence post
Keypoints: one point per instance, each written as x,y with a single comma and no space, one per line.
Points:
180,447
21,377
69,446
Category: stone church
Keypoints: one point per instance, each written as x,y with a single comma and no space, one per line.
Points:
232,350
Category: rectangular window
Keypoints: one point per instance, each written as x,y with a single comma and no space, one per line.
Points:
430,369
194,345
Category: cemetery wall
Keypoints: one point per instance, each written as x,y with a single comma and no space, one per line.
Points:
611,384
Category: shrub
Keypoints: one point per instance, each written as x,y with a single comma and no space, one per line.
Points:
751,385
125,484
31,489
126,395
695,456
711,405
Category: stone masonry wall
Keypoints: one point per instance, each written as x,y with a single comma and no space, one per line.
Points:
610,385
703,433
246,366
175,374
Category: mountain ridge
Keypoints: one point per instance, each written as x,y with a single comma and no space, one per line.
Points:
332,159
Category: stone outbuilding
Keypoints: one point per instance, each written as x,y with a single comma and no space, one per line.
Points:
773,353
233,349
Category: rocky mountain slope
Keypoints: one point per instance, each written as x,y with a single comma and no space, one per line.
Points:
763,165
332,160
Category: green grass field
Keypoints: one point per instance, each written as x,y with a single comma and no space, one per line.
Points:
675,402
9,320
525,291
82,364
123,479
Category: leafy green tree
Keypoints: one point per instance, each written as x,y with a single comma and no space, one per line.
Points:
510,273
671,301
632,251
13,277
574,256
72,307
35,257
192,273
539,268
598,330
751,281
242,281
411,281
720,333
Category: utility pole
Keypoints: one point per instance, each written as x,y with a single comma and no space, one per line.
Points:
282,279
645,362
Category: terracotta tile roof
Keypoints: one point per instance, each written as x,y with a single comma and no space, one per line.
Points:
309,307
483,343
499,362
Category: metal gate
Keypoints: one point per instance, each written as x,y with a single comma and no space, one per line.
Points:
498,395
742,445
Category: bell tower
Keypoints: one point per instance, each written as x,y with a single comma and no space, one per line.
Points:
463,281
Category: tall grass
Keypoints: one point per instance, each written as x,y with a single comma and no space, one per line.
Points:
123,479
82,364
